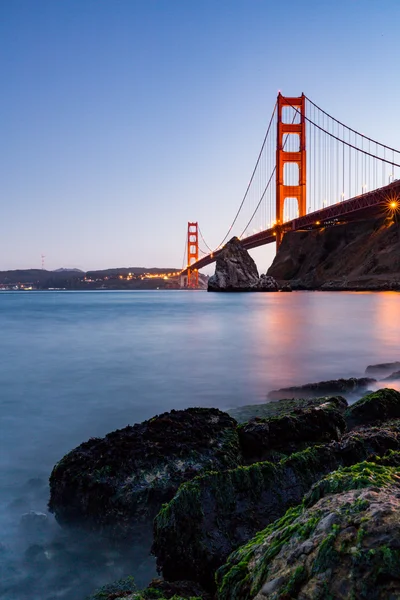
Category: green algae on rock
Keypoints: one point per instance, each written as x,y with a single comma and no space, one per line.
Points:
340,544
279,408
216,513
378,406
118,483
262,437
158,589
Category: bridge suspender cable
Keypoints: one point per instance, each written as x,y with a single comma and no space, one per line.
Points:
350,129
385,160
251,178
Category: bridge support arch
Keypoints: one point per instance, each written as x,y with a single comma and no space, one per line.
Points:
283,191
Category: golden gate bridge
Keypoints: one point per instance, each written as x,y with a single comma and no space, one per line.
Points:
312,171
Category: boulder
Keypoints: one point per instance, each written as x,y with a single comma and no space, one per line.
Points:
323,388
158,589
236,271
117,483
373,408
261,439
341,542
267,284
382,369
279,408
216,513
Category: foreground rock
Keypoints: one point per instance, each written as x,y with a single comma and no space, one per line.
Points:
342,542
236,271
216,513
268,438
280,408
323,388
125,589
374,408
117,483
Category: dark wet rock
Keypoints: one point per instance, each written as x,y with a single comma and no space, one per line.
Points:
236,271
158,589
286,288
323,388
373,408
261,438
214,514
116,590
393,377
341,542
279,408
117,483
267,284
382,369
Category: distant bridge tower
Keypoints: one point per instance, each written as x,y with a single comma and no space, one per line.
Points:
192,254
297,127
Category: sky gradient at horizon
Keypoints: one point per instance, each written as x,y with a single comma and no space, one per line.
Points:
122,120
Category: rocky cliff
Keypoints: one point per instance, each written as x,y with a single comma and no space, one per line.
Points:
236,271
363,255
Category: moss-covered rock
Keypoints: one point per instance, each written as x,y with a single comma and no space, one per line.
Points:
339,544
216,513
261,438
279,408
118,483
158,589
373,408
213,514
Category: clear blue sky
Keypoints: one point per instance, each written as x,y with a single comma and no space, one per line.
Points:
123,119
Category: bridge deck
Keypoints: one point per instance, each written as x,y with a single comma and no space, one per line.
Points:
367,205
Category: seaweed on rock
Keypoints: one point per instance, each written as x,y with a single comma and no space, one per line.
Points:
333,545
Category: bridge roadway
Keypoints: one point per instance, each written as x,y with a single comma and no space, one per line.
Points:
367,205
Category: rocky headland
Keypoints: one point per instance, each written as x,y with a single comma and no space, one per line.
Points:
236,271
294,498
360,255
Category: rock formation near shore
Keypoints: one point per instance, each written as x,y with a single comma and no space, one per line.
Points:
116,485
298,501
236,271
362,255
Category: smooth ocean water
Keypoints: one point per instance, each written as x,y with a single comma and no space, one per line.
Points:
79,364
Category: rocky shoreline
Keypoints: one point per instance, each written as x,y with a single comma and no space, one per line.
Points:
295,498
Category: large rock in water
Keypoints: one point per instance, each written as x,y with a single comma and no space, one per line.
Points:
236,271
341,542
118,483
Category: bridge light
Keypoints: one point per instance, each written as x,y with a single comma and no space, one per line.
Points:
318,222
394,204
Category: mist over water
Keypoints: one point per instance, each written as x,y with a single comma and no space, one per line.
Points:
76,365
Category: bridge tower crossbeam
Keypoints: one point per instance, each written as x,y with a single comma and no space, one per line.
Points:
283,156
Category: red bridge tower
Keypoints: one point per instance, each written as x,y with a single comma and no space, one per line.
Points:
192,254
297,127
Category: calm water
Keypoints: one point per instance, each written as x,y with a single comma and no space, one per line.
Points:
79,364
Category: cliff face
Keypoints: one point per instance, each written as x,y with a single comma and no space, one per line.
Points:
236,271
363,255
